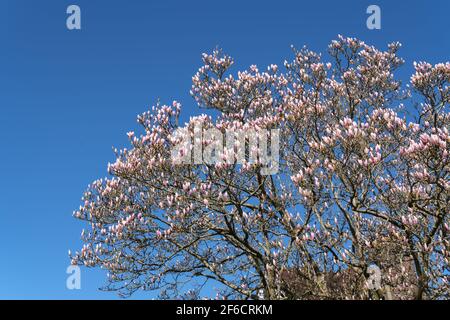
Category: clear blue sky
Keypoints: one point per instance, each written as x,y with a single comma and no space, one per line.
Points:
67,97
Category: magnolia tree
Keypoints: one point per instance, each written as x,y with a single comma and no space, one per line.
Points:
341,189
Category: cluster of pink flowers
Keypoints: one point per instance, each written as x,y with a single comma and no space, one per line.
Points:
439,140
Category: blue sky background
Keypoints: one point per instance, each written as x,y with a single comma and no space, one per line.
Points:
67,97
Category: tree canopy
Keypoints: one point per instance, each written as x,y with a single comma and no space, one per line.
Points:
362,178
